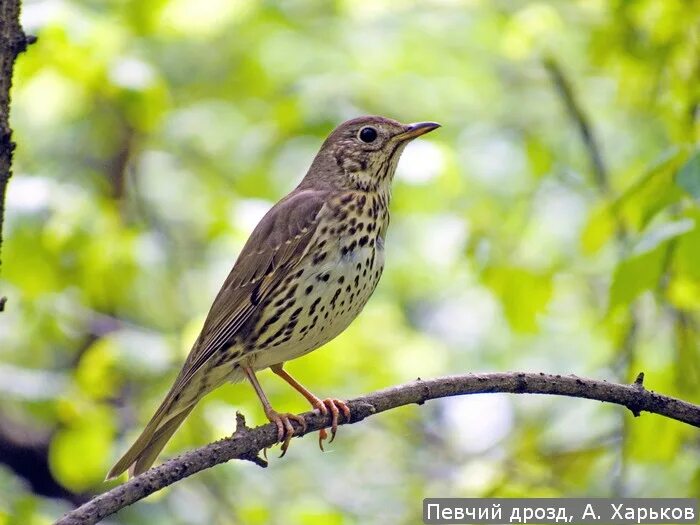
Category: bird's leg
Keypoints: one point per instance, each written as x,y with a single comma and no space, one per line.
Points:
335,406
285,430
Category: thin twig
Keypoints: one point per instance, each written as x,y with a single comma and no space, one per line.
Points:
246,443
584,127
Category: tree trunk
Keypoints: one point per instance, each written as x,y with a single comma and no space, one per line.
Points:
12,42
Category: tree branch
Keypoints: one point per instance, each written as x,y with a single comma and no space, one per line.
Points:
247,443
12,42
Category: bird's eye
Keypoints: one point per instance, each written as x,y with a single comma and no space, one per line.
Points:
368,134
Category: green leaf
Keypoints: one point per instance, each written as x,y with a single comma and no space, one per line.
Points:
634,276
523,293
684,288
539,157
688,176
662,233
642,270
95,372
688,250
598,230
80,452
651,193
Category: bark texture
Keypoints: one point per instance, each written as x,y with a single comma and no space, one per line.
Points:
12,42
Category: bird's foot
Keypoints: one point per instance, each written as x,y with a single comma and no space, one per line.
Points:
335,407
285,430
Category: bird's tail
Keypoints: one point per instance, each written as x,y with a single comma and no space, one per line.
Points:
177,405
159,430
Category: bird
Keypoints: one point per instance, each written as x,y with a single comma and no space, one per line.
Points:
303,276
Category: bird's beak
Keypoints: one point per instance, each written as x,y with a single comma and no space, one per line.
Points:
417,129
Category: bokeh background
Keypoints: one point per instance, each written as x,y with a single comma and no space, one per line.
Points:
551,225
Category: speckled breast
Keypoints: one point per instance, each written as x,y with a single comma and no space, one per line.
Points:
328,289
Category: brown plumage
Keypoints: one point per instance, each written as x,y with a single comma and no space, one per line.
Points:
305,273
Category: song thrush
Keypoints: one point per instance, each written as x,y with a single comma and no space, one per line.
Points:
305,273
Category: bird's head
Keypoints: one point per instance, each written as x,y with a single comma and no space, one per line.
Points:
362,153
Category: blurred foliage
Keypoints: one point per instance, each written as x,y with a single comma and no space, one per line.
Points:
153,134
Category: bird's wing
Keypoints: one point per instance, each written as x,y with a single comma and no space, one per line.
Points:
275,247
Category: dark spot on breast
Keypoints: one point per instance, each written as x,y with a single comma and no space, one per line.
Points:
312,309
279,301
335,298
363,240
309,289
272,320
291,326
283,340
274,336
341,279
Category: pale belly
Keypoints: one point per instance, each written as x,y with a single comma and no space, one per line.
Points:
328,298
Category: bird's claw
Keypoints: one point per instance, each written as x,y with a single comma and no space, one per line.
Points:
335,407
285,430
